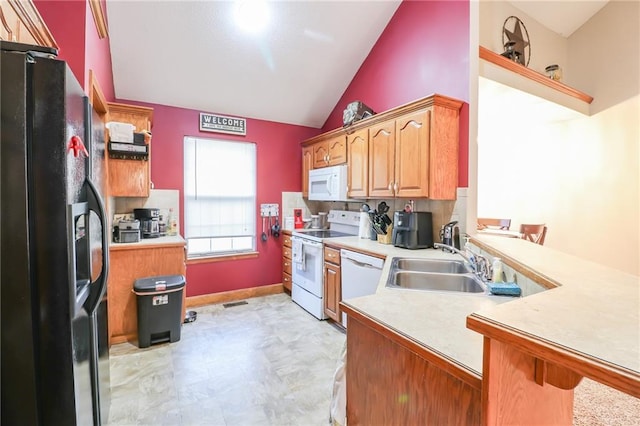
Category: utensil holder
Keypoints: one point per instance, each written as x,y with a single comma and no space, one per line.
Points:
386,238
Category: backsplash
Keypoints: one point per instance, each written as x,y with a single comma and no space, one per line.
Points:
443,212
163,199
527,285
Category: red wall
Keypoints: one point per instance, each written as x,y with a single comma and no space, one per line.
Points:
279,166
98,57
66,21
423,50
72,26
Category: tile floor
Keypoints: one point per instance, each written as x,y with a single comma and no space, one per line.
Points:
268,362
265,363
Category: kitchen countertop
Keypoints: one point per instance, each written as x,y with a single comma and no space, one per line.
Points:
435,320
166,241
593,311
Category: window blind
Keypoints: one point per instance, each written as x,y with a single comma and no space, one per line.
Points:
219,196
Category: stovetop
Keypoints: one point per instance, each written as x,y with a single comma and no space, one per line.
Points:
322,233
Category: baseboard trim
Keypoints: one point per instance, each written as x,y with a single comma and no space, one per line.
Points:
233,295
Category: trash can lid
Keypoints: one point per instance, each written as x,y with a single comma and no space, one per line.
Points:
159,283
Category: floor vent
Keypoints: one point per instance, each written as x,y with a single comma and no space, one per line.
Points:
232,304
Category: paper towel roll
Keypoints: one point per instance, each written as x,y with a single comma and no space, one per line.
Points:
364,231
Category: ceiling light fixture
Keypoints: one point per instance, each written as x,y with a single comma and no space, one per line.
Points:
251,16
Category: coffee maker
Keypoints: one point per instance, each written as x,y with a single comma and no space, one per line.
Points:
149,222
412,230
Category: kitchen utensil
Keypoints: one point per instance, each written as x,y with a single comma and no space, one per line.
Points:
383,208
264,234
276,228
269,224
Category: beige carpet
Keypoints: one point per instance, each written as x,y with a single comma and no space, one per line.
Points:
596,404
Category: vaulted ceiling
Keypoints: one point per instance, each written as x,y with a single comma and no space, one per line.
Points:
191,54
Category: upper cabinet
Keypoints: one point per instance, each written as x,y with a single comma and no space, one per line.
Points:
358,161
130,178
409,152
20,22
330,152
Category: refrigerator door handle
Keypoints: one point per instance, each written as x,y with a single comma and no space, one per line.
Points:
97,206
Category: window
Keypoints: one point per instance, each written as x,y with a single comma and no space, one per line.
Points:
219,196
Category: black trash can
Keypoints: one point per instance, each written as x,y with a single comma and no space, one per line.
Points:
159,308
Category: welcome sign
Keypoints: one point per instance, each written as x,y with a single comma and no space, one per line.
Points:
222,124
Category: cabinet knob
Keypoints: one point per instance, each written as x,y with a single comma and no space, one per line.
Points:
390,186
395,188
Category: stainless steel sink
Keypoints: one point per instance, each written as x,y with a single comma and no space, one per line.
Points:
431,265
464,283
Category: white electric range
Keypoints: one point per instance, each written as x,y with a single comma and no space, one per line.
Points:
308,260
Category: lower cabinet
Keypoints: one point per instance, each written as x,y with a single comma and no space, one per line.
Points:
393,383
286,260
332,283
127,264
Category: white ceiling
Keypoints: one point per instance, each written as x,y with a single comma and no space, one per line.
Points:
190,54
562,17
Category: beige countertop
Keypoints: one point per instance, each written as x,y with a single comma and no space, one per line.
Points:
166,241
594,310
435,320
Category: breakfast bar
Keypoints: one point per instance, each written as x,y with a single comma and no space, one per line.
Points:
584,325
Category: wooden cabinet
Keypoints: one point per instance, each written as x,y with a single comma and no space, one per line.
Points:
286,260
382,148
127,264
358,162
307,164
332,283
330,152
411,168
392,381
21,22
130,178
410,151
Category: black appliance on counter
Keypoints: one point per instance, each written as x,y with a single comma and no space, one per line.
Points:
412,230
149,222
54,242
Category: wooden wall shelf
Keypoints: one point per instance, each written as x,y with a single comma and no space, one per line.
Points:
532,75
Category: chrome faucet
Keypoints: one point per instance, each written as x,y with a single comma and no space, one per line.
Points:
480,265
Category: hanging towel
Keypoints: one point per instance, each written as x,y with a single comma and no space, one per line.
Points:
297,254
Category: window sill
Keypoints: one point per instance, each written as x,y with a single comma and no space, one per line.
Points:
221,258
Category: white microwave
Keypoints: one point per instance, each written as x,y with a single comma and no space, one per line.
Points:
328,183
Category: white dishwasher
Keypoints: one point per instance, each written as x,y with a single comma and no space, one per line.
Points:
359,275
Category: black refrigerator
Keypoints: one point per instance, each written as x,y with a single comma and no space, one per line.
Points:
54,245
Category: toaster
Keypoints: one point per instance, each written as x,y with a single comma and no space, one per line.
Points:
128,231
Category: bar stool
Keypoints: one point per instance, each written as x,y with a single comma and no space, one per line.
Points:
533,233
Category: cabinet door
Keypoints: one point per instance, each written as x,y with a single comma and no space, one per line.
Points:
320,155
358,161
332,291
307,164
382,145
126,266
130,178
412,155
337,150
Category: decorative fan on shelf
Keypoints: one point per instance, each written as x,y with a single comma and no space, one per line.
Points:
517,46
